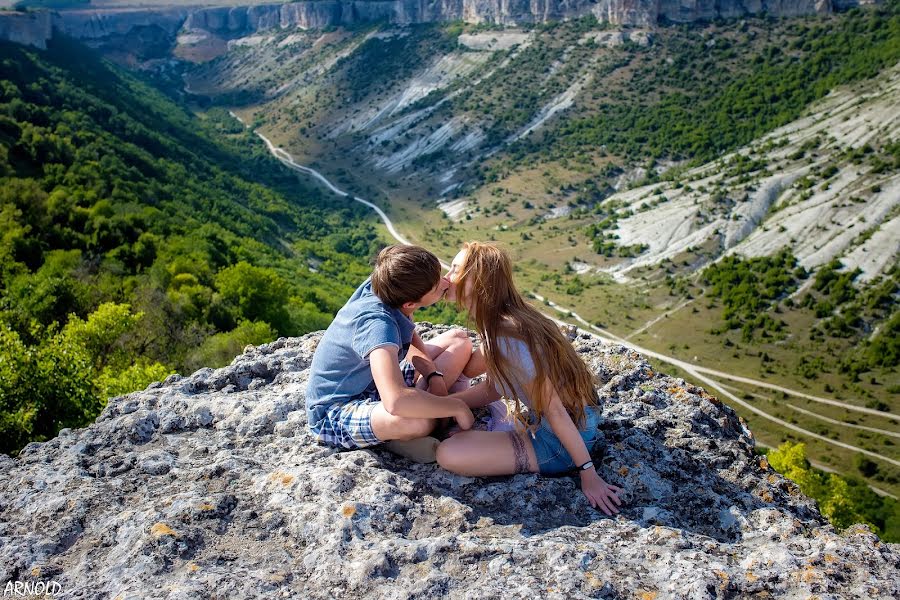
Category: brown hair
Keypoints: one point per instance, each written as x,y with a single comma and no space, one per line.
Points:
498,309
404,274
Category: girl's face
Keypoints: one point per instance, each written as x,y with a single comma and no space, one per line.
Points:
454,275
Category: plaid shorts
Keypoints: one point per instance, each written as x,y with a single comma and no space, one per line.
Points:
349,424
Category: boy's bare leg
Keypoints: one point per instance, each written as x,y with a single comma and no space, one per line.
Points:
404,436
390,427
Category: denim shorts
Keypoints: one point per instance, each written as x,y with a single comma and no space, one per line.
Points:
552,457
348,424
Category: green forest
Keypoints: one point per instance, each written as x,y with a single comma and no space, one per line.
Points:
696,93
750,287
709,108
845,501
138,240
752,290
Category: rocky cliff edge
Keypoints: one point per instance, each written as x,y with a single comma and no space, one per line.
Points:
30,29
237,20
210,486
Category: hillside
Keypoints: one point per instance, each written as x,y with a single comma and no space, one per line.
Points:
436,109
138,240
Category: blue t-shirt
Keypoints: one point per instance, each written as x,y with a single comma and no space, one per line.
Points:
340,367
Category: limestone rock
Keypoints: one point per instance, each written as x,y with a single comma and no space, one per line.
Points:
235,21
93,24
210,485
31,29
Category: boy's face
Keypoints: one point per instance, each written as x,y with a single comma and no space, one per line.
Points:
436,293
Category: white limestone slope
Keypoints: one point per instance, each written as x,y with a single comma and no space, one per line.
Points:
439,75
390,121
823,205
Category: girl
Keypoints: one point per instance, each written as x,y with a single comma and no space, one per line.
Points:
529,361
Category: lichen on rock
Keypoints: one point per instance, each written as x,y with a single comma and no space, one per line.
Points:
211,486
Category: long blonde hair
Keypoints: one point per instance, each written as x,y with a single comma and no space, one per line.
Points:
498,309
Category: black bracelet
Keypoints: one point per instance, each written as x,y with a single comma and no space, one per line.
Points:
430,375
589,464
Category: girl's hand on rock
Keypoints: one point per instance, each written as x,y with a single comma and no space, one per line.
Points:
599,493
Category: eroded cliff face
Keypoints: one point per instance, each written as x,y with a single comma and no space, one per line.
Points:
243,20
31,29
210,485
95,24
136,35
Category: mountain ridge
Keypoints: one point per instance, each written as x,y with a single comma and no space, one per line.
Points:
244,20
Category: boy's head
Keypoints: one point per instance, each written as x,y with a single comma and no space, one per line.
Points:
405,274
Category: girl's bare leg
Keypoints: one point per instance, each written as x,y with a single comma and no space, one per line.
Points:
476,365
487,453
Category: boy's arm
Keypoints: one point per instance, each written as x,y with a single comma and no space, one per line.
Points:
418,343
402,401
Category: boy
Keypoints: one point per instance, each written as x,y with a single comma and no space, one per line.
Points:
362,386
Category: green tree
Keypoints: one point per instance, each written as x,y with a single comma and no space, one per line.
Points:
839,501
134,377
66,377
256,294
42,389
218,350
102,334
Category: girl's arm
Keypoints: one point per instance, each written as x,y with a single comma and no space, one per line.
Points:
478,395
599,493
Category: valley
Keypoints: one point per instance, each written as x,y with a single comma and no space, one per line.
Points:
621,234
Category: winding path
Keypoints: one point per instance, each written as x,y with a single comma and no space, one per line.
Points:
702,374
288,160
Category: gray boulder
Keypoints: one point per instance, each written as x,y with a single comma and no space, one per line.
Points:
211,486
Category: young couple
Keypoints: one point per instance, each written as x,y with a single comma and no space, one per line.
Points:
373,380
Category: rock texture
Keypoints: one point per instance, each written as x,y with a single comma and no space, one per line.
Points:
210,486
244,20
97,24
31,29
506,12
